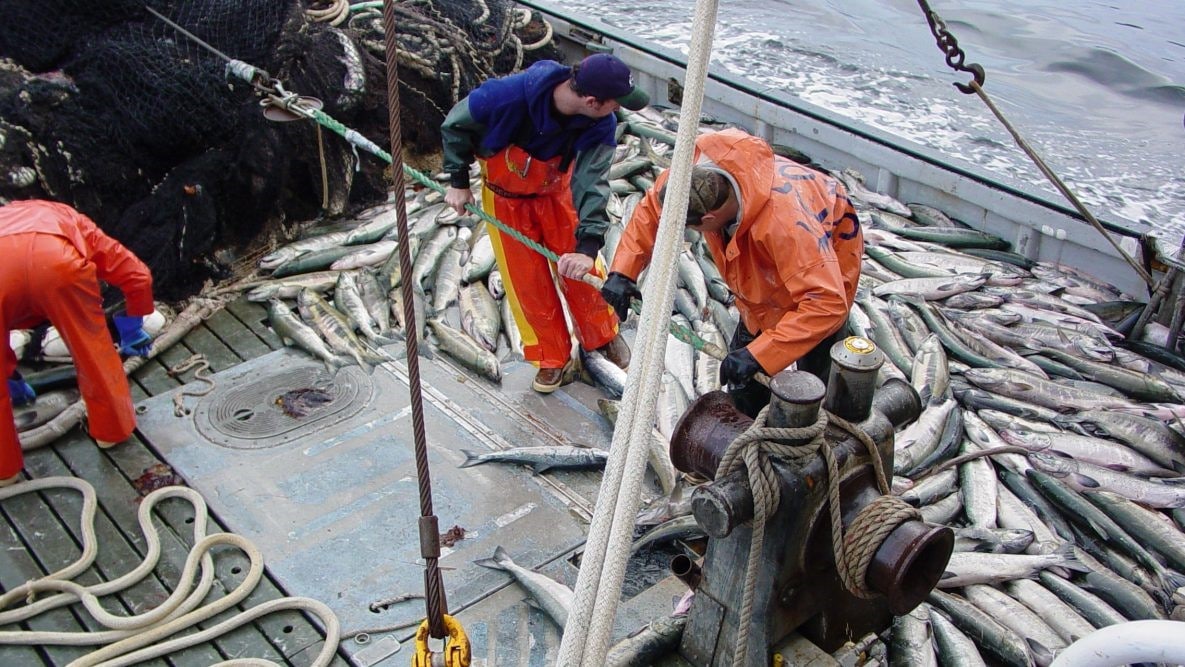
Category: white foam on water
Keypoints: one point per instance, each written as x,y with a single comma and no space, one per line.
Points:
841,58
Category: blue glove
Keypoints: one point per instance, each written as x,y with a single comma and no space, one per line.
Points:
738,367
20,391
133,340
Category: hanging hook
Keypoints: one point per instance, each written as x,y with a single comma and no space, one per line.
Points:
950,47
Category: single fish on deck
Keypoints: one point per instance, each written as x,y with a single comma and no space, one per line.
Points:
541,459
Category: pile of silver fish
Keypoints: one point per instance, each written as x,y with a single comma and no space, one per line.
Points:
347,284
1075,524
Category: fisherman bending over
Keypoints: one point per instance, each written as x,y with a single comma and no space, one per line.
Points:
545,138
787,242
56,258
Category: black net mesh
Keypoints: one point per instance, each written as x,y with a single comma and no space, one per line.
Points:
108,108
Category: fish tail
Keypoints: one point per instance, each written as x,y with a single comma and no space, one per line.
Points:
1067,552
490,563
471,459
1171,581
1042,654
496,562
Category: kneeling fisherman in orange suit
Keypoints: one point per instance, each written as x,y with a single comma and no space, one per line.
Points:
56,257
787,242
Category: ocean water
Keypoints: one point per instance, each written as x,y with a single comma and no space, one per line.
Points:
1096,87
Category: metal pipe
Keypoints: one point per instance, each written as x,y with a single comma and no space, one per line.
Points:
898,401
687,571
722,505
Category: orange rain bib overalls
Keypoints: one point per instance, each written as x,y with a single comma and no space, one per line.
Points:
55,259
533,197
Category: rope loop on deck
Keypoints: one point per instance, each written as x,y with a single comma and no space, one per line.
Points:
134,638
202,374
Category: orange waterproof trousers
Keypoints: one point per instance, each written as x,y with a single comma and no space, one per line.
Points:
542,211
45,278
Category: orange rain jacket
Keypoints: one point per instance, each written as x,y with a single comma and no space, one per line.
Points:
793,261
55,258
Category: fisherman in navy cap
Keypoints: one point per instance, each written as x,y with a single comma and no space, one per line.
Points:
545,139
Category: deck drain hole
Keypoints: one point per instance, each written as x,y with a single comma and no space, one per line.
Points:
287,629
248,415
236,569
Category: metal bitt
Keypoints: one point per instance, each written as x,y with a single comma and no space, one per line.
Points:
855,364
798,587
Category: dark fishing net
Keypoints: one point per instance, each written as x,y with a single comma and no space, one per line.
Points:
108,108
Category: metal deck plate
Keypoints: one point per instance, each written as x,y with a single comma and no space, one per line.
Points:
331,498
247,415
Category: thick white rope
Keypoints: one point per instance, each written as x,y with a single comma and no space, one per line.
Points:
86,525
138,634
602,568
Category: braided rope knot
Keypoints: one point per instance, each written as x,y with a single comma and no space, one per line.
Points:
865,535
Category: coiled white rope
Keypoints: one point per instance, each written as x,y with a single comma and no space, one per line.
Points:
602,569
72,592
135,637
335,13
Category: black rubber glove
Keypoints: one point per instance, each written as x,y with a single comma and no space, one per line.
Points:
738,367
618,290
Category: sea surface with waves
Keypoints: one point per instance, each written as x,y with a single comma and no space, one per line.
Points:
1097,87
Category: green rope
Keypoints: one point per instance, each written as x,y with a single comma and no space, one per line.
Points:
680,332
427,181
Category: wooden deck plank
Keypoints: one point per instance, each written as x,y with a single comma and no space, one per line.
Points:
154,376
254,316
236,335
17,566
49,547
291,632
138,393
121,546
217,354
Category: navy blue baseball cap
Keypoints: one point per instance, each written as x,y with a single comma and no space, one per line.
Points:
605,77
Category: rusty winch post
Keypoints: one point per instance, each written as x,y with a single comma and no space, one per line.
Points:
798,586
